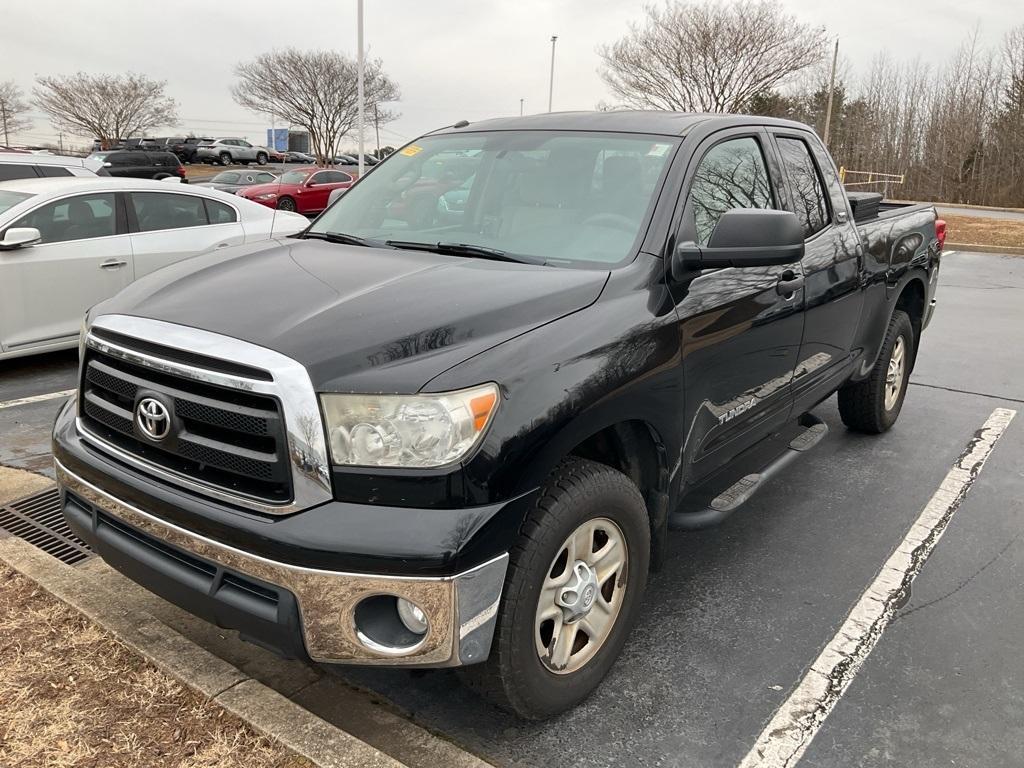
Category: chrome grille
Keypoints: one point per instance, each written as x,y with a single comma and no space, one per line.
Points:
227,438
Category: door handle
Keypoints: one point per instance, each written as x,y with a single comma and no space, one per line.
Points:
789,283
222,245
113,264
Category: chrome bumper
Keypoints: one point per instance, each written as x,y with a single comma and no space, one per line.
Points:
461,610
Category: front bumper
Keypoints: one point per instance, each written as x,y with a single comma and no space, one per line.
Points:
294,610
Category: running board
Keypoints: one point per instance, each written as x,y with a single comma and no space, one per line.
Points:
737,494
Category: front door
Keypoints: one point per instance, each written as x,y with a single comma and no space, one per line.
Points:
84,257
739,329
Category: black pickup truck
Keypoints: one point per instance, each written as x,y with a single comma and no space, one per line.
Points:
453,422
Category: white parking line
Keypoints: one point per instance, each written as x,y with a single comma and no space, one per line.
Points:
36,398
791,729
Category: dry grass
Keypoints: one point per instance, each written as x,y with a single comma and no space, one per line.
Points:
976,230
70,695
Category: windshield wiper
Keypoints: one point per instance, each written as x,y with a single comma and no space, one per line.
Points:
345,239
456,249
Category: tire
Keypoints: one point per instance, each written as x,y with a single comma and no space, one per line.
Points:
261,158
224,158
873,405
516,676
160,176
286,204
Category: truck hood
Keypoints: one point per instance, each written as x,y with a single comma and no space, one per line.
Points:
360,319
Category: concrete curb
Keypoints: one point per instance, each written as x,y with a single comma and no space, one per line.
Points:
1007,249
263,708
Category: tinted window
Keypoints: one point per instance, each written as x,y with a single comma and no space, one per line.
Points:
809,196
16,171
220,213
731,175
124,159
75,218
160,210
53,170
331,177
264,178
226,177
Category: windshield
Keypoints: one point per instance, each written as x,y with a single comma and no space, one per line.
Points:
294,177
10,199
226,177
559,197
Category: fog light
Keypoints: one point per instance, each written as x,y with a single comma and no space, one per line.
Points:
412,616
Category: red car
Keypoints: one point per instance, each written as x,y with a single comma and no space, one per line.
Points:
304,191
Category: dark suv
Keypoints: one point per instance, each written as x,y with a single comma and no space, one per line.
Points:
185,148
140,164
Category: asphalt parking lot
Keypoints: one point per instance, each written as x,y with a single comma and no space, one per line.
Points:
739,613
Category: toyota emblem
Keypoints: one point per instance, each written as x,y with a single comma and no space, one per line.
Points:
153,419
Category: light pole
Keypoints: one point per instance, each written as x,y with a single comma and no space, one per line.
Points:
360,86
521,107
551,85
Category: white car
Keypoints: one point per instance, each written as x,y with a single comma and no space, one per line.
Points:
66,244
22,165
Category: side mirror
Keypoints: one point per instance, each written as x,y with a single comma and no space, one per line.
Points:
745,237
18,237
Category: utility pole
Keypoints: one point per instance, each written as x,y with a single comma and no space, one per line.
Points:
831,93
362,73
3,115
376,128
551,84
521,107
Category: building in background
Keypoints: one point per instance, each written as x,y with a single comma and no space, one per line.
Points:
287,140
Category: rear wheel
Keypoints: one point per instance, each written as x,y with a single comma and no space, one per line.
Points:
575,580
286,204
261,158
873,405
225,158
160,176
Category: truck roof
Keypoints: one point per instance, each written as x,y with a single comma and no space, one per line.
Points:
622,121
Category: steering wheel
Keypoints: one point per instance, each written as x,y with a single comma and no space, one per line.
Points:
613,220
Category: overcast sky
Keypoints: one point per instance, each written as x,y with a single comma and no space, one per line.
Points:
453,59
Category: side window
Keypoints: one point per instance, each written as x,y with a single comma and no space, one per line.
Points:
731,175
809,195
53,170
219,213
10,171
76,218
332,177
121,160
318,178
160,210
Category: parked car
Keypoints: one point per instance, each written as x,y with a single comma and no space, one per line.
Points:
228,151
232,181
299,157
186,148
140,164
304,190
24,165
65,247
344,160
273,155
466,445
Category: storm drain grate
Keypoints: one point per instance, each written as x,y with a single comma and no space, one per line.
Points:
38,519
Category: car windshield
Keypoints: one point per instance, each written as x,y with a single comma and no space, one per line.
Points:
10,199
558,197
294,177
226,177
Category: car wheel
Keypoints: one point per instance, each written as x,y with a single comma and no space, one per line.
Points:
261,159
225,158
873,405
286,204
159,176
575,581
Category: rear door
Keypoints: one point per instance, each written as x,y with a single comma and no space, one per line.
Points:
170,226
739,330
831,265
85,257
318,189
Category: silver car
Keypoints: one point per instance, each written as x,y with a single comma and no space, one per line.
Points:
228,150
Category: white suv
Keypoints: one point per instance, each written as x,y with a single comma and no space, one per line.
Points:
18,165
228,151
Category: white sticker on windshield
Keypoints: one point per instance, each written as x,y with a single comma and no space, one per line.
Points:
657,150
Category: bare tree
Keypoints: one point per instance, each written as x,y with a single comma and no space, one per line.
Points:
13,109
313,89
109,107
712,57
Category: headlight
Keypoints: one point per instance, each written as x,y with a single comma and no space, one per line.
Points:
267,196
428,430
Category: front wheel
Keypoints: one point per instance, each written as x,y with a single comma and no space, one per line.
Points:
225,158
286,204
261,159
873,405
575,581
